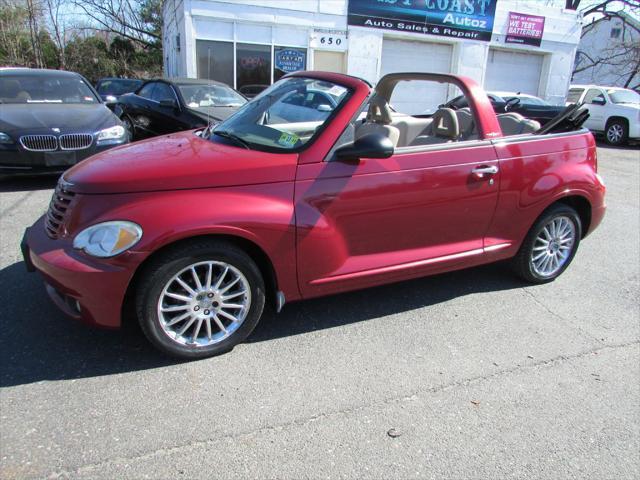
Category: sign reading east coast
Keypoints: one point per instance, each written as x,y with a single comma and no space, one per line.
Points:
525,29
470,19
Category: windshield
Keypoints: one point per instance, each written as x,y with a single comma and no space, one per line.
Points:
118,87
45,89
202,96
285,116
527,100
624,96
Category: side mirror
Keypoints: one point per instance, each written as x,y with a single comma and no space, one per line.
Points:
599,100
169,103
372,145
323,107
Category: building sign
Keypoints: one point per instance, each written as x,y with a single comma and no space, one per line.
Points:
471,19
525,29
290,60
324,39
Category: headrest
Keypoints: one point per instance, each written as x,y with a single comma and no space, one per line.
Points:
11,86
445,123
379,111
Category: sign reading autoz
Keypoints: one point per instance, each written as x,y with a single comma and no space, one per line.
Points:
472,19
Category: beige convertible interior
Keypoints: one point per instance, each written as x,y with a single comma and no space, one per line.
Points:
444,126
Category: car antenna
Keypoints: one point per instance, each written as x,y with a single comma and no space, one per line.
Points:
209,129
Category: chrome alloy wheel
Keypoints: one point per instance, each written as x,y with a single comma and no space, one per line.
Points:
552,247
204,303
615,133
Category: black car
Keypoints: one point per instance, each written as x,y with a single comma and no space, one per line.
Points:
110,89
251,91
51,119
159,106
526,105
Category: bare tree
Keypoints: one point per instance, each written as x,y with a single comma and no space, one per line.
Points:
620,59
57,28
34,16
126,18
604,6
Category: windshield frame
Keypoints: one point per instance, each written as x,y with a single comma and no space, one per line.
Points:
72,77
350,91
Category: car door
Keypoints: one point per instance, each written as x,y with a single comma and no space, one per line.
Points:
597,110
164,118
369,222
137,108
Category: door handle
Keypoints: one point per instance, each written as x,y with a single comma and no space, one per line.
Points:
485,170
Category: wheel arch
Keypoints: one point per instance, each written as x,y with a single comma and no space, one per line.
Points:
581,205
251,248
616,117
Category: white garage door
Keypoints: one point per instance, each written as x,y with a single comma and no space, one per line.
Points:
402,56
513,72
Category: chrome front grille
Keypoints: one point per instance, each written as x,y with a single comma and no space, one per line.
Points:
75,141
59,209
39,143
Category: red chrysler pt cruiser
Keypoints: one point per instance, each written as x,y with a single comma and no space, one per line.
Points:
314,187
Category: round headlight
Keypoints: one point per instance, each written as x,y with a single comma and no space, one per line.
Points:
108,239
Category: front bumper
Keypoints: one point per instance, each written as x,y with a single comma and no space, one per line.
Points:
16,160
83,288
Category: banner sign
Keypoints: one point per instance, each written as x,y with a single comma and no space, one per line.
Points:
471,19
525,29
290,60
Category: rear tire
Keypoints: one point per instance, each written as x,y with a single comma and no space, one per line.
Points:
200,299
550,245
617,132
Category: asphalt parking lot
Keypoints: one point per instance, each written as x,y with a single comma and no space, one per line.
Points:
471,374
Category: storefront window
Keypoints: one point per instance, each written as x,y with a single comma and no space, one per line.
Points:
287,60
215,61
253,65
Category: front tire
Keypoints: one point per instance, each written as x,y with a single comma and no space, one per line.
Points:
550,245
200,299
617,132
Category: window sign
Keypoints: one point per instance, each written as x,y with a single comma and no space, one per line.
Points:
289,60
525,29
471,19
253,65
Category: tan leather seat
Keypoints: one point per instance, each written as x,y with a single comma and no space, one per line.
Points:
467,124
513,123
444,128
13,92
379,121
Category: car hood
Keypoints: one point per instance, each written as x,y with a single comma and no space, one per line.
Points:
178,162
31,118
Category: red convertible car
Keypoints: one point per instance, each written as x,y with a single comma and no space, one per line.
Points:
196,231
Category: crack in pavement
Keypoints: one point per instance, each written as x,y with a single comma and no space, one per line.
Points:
560,359
570,323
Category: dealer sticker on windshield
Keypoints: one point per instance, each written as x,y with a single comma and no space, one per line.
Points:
288,139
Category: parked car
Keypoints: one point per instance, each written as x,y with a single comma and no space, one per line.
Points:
527,105
614,112
50,120
160,106
312,105
110,89
251,91
197,230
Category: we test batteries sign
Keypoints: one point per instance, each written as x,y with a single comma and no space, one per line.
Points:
525,29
